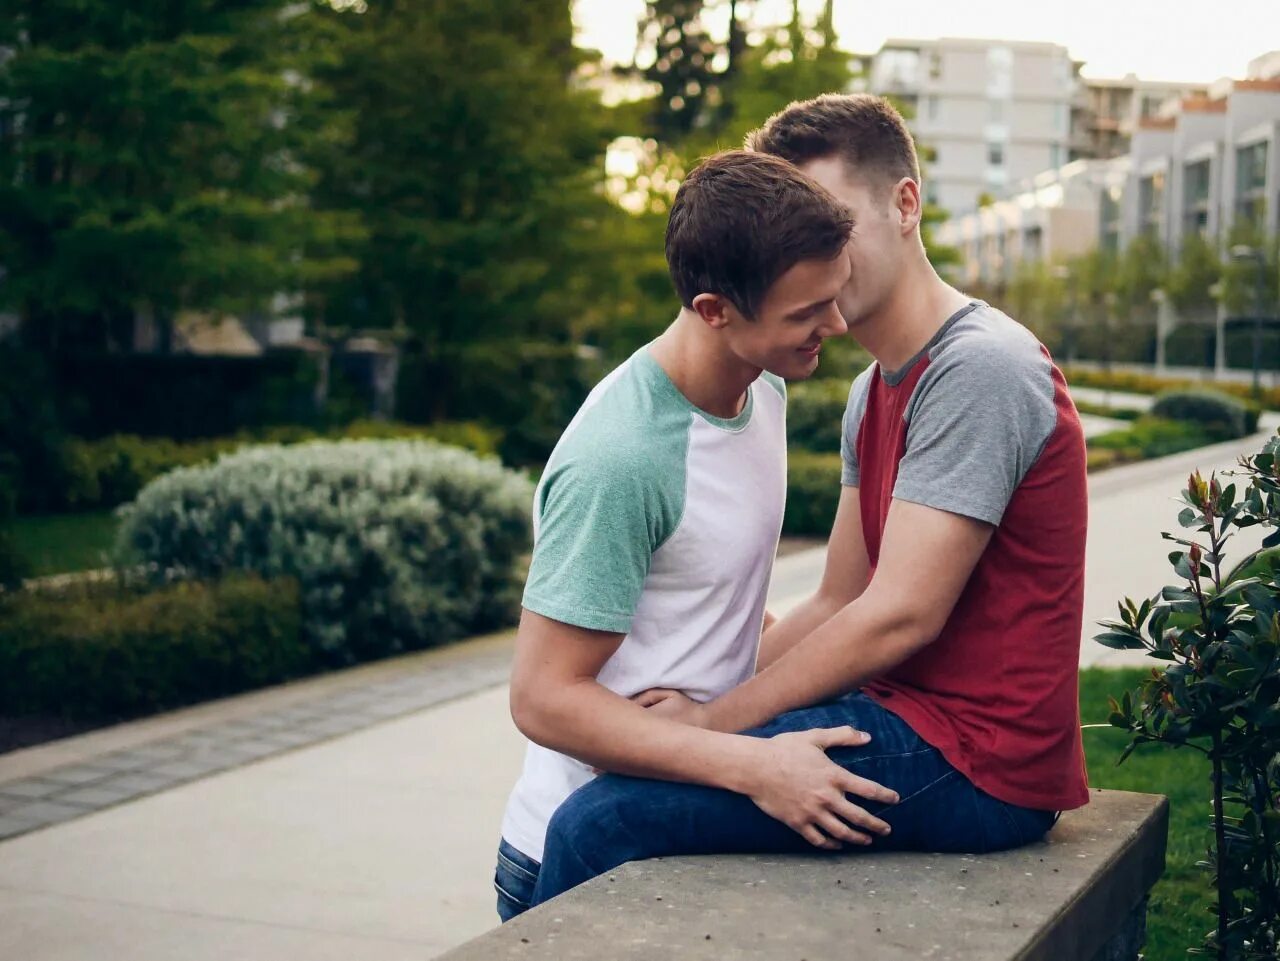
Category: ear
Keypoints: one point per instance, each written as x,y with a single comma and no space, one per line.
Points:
714,310
906,200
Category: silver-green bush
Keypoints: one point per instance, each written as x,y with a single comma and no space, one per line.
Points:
396,545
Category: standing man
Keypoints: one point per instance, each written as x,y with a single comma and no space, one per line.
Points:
947,623
657,521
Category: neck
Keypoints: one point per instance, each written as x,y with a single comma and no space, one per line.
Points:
916,308
709,376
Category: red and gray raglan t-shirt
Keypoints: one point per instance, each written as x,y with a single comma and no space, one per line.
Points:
980,423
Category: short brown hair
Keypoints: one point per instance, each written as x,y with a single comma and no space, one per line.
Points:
864,130
741,220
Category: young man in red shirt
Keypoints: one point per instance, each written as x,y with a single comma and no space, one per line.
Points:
947,623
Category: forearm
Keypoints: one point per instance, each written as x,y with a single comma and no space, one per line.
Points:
801,621
862,641
587,721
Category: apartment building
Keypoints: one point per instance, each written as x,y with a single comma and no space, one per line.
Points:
1053,216
1201,165
992,112
1109,111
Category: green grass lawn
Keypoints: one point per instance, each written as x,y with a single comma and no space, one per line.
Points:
57,543
1178,917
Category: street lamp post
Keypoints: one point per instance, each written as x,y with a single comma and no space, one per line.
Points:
1243,252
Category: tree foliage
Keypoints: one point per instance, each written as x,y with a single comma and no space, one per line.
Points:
148,162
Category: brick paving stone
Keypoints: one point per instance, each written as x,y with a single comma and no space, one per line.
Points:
121,761
141,782
33,787
76,774
46,812
11,826
97,796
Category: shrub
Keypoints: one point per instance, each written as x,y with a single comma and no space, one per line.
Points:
813,491
1153,437
397,545
815,411
1214,633
1222,414
106,651
1102,410
1146,384
111,471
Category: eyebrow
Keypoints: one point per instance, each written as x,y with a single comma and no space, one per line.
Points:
809,307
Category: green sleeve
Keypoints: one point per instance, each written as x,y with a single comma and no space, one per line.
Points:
600,521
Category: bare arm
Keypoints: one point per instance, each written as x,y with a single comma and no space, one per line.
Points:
926,558
844,578
557,702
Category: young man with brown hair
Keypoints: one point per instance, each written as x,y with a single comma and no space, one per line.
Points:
657,521
947,622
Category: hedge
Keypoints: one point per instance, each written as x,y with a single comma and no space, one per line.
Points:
1149,437
815,412
108,651
1269,397
1220,413
397,545
112,470
813,491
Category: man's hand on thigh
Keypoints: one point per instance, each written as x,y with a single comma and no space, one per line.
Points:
797,784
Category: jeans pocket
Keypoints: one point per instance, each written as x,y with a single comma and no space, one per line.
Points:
514,879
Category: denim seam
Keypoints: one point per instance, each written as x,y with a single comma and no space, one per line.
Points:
516,867
882,757
504,891
934,783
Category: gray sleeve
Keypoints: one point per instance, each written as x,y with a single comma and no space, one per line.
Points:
978,421
853,411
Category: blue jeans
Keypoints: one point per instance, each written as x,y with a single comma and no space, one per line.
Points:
514,879
615,819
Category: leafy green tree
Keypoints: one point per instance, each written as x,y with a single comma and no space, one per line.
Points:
148,163
1191,277
475,165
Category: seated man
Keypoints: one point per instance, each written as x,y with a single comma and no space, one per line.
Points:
947,623
657,521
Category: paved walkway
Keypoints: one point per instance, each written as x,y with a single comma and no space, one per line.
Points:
356,814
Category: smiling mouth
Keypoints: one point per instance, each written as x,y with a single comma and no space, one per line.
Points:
811,351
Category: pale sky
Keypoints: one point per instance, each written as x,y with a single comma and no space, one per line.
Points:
1156,39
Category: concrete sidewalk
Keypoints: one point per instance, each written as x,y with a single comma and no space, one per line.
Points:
378,842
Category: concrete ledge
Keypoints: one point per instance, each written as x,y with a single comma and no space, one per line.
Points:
1066,899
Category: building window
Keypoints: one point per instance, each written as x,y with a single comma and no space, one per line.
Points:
1151,204
1055,155
995,154
931,107
1251,183
935,65
1032,243
1000,72
1195,199
995,111
931,193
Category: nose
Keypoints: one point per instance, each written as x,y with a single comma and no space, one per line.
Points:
833,322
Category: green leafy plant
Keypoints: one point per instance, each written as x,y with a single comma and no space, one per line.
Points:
813,492
1218,632
1227,415
396,544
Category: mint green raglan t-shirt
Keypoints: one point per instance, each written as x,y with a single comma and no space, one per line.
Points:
660,522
